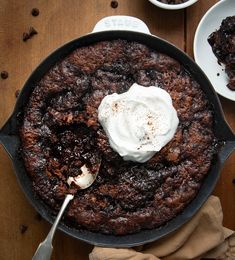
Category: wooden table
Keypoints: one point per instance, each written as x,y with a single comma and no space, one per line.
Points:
60,21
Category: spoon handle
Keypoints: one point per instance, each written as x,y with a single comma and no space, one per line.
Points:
45,248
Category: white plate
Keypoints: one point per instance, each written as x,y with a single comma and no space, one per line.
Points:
203,54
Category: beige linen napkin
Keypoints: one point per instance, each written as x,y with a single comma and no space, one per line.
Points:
202,237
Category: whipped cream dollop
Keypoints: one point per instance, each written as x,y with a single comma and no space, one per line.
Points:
138,122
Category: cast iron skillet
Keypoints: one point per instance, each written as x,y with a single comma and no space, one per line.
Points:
10,139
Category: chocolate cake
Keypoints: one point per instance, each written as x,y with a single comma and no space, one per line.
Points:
222,42
173,2
60,133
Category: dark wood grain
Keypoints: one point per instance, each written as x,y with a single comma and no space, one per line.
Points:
60,21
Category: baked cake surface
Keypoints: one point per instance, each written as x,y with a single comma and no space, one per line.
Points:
222,42
60,133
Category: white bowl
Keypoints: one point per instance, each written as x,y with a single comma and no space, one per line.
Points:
203,53
171,6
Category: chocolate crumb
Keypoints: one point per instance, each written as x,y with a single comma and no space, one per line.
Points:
231,84
23,228
233,181
30,34
17,93
218,74
38,217
25,36
4,74
32,31
35,12
114,4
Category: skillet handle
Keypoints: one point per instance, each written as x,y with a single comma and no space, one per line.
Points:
121,22
227,150
9,136
10,144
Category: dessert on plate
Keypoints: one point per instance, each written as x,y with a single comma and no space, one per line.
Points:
222,42
138,112
173,2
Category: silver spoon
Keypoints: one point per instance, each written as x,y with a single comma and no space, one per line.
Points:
83,181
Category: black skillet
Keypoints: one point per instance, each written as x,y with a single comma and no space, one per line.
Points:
10,139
